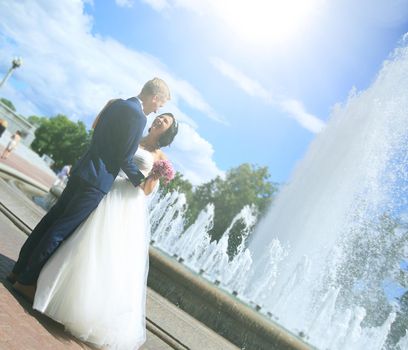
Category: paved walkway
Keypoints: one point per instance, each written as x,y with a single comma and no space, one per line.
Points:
25,160
20,164
20,326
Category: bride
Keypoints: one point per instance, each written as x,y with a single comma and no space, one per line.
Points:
95,284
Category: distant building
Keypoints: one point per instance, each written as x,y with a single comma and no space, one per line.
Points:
47,159
17,122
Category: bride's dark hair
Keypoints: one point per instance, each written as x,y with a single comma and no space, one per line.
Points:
168,136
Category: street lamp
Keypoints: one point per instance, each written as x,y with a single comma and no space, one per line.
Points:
17,62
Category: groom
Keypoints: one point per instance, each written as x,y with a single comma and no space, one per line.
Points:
118,130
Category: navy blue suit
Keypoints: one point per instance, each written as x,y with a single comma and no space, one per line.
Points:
114,142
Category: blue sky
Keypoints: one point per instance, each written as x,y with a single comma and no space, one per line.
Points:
251,81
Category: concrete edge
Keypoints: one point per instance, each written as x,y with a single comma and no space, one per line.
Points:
22,177
249,319
163,335
21,225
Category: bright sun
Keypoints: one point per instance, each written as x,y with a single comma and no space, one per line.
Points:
267,22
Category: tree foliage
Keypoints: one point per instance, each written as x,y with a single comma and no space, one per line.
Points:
36,121
243,185
180,184
60,138
8,103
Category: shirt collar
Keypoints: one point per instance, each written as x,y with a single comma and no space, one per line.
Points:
141,105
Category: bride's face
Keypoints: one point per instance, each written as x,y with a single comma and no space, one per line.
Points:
161,124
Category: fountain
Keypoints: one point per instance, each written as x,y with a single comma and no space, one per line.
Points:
342,215
318,261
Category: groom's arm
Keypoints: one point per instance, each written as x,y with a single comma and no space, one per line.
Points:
131,131
102,112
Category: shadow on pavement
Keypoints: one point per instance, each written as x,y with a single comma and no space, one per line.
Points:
54,328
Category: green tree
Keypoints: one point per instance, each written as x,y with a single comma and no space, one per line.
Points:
60,138
36,121
8,103
180,184
243,185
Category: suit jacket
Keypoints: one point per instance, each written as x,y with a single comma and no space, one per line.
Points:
114,142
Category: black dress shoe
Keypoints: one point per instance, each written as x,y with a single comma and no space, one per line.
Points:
27,291
11,277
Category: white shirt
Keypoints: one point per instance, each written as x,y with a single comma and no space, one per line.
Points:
141,105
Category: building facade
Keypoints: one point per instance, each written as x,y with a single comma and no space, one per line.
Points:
17,122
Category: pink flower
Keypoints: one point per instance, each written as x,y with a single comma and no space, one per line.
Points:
163,169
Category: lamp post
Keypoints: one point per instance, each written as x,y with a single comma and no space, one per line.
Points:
17,62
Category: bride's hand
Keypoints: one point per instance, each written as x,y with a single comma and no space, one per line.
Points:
149,184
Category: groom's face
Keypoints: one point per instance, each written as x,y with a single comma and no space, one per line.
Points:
153,104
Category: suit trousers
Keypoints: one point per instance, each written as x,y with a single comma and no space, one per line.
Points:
76,203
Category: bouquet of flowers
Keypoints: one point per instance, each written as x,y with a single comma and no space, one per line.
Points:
163,169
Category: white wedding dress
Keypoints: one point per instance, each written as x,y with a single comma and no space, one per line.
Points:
95,283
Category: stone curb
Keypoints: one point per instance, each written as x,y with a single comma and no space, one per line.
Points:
229,317
15,220
22,177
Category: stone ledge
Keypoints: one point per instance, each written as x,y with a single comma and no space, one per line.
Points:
221,312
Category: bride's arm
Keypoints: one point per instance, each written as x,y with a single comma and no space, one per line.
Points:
148,185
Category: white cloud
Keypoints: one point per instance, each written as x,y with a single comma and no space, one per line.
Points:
297,111
125,3
69,70
193,98
158,5
24,106
250,86
253,88
192,155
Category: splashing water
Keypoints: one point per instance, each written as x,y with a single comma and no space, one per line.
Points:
341,213
318,261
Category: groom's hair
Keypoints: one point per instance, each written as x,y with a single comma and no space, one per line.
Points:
158,87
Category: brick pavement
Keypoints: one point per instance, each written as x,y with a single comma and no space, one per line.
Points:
22,328
20,164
